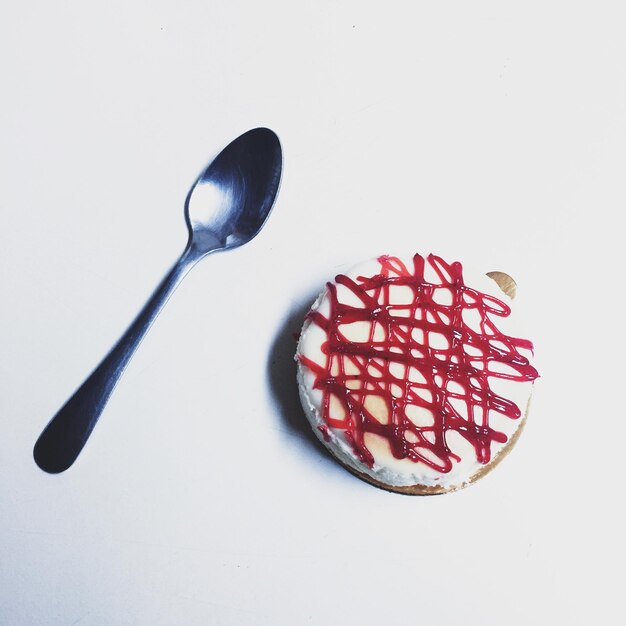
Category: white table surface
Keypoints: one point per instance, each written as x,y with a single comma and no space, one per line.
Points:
485,131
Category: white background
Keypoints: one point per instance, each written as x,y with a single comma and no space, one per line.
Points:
493,132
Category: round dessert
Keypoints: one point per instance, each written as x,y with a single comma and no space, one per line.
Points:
412,373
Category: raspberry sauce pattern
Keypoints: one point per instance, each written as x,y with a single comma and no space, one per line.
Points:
423,366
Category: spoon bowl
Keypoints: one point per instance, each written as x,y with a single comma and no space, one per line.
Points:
230,201
226,207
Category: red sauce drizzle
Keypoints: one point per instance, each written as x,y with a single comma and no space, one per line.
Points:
356,371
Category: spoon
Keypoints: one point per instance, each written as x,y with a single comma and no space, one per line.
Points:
226,207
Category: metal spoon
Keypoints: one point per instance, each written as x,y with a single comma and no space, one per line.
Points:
226,208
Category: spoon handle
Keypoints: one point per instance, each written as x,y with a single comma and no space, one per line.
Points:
65,435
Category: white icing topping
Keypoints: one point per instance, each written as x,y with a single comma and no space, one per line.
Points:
387,468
